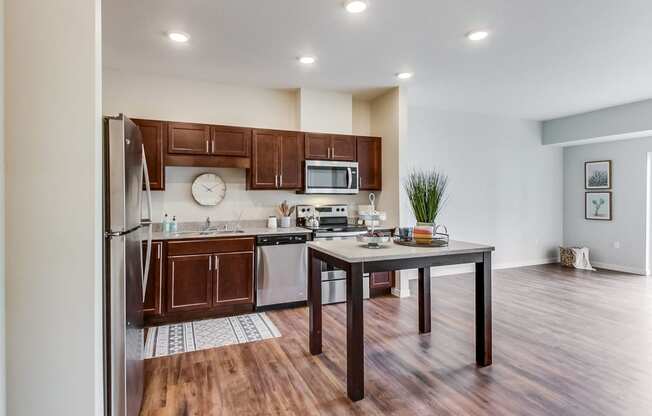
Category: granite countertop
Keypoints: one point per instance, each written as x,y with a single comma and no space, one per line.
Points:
243,232
352,251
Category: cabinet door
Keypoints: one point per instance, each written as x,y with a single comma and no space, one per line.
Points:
264,160
381,280
318,146
233,278
153,305
369,163
230,141
154,133
188,138
189,282
343,148
291,160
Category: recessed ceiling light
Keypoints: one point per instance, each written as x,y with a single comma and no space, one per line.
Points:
404,75
477,35
307,60
180,37
356,6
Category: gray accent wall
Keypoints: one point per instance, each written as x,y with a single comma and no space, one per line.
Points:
629,186
620,122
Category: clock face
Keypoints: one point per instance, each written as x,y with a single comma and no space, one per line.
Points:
208,189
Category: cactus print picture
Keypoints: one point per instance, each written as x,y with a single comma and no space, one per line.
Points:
598,206
597,175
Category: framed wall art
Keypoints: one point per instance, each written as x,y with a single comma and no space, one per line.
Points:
597,206
597,174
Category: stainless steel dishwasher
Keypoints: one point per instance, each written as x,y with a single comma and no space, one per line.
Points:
281,270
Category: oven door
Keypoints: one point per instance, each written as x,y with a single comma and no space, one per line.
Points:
328,177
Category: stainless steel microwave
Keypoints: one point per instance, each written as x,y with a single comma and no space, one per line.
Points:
330,177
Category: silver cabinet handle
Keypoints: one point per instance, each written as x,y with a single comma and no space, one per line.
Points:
212,146
275,181
359,181
207,146
210,263
280,180
328,153
160,249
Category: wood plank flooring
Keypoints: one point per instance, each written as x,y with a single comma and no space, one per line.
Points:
565,343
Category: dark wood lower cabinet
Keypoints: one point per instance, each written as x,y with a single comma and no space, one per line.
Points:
208,278
381,280
153,303
234,279
190,282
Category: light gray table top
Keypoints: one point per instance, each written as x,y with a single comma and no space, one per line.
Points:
352,251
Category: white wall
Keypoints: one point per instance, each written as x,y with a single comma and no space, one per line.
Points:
151,96
325,111
505,188
629,186
3,391
361,117
384,122
148,96
52,208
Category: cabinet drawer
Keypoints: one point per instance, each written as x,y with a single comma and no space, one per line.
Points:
224,245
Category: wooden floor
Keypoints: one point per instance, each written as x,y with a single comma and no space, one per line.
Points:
565,343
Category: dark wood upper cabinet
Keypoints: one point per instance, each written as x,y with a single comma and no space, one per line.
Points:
343,148
154,135
230,141
189,139
264,160
291,160
317,146
322,146
153,304
369,154
189,282
276,160
233,279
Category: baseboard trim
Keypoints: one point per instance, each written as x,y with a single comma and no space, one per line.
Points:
619,268
469,268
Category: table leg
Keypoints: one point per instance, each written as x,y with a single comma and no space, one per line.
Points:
483,311
354,334
424,300
314,302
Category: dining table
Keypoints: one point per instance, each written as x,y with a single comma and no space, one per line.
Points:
357,259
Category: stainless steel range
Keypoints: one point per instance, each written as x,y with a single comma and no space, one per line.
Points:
333,225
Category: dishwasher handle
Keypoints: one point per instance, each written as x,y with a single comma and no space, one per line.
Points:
277,240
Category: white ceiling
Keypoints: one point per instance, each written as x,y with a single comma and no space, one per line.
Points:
544,58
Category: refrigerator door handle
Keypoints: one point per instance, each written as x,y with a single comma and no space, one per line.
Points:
148,222
148,219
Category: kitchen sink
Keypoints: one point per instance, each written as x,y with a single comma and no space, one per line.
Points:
207,232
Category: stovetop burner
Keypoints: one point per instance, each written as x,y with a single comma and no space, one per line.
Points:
342,228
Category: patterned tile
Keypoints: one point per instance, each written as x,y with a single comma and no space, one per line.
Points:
211,333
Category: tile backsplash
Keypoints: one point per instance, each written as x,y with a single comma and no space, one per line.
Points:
238,202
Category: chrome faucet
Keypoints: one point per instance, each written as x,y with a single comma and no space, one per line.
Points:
208,222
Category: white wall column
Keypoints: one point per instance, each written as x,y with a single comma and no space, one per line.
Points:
53,207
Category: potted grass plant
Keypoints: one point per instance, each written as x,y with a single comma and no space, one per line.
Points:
426,190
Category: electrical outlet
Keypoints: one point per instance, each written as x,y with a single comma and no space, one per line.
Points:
616,244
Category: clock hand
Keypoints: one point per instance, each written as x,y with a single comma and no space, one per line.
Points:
207,188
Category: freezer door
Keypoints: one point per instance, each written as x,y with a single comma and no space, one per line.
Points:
124,174
125,309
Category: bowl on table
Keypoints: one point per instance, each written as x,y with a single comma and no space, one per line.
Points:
374,240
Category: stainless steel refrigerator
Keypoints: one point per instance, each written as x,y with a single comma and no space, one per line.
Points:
126,268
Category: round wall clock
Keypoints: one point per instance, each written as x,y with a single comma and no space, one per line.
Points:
208,189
